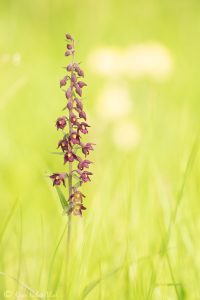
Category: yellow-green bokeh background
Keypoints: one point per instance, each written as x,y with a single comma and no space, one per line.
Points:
117,248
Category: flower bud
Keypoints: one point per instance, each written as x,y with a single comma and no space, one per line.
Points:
80,73
70,105
63,81
69,37
73,78
68,93
67,53
69,68
82,114
78,90
76,67
82,84
69,47
79,104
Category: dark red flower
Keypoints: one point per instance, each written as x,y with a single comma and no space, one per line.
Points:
73,119
77,196
74,138
87,148
83,127
58,178
76,209
69,156
63,144
70,144
84,164
61,123
84,176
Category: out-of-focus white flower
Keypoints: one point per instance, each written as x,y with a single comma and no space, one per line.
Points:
152,60
106,61
16,59
149,59
4,58
7,58
114,102
126,135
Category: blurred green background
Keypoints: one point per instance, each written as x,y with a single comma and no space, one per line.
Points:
138,238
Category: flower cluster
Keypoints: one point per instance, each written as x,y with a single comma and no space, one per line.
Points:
73,125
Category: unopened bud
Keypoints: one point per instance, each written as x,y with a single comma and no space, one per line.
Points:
73,78
82,84
69,47
70,105
68,93
81,73
70,67
78,90
69,37
82,114
79,104
67,53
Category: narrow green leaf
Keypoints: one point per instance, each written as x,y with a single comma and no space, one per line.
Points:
62,198
94,283
3,229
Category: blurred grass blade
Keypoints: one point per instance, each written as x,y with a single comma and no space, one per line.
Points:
94,283
179,196
173,278
54,254
8,220
23,285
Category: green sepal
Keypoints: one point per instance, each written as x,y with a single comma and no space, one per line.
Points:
77,184
75,176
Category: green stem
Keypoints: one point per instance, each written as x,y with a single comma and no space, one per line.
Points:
69,194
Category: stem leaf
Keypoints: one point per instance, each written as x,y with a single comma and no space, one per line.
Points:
62,198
